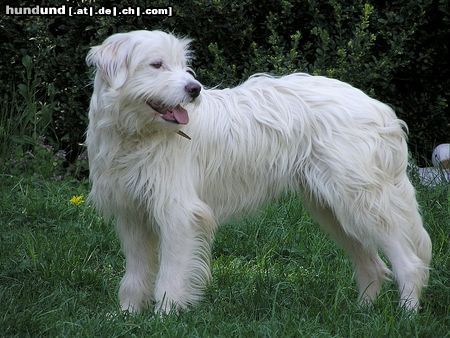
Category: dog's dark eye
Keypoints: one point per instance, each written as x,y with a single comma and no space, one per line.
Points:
157,64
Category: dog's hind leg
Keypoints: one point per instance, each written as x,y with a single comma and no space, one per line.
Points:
409,271
406,243
139,245
185,239
370,270
387,217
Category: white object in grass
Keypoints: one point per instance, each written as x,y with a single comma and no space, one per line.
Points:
441,156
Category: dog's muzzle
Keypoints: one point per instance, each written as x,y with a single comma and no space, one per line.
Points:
177,114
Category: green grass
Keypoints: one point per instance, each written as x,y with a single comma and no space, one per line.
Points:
274,275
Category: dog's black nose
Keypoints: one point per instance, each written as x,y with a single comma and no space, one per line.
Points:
193,89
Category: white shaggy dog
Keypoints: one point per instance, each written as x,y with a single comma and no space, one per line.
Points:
344,152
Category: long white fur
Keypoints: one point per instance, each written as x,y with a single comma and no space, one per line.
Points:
343,151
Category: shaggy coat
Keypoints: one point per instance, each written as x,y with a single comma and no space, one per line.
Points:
342,151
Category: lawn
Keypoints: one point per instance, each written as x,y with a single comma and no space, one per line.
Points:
274,274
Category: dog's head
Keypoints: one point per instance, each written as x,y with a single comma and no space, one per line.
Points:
148,74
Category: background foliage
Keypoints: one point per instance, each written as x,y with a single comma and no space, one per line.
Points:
397,51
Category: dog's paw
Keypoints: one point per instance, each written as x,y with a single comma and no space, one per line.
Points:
168,306
127,305
133,299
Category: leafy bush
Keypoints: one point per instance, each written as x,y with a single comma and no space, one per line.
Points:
397,51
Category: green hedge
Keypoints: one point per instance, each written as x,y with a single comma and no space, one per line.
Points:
397,51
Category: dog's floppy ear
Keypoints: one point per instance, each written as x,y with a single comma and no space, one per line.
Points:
111,59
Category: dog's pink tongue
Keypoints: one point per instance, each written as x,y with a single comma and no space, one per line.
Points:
180,115
177,114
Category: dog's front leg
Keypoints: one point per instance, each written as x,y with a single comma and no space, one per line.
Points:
185,239
140,247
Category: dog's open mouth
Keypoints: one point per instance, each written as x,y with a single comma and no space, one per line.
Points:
175,114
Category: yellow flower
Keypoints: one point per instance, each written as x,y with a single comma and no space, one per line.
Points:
77,199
